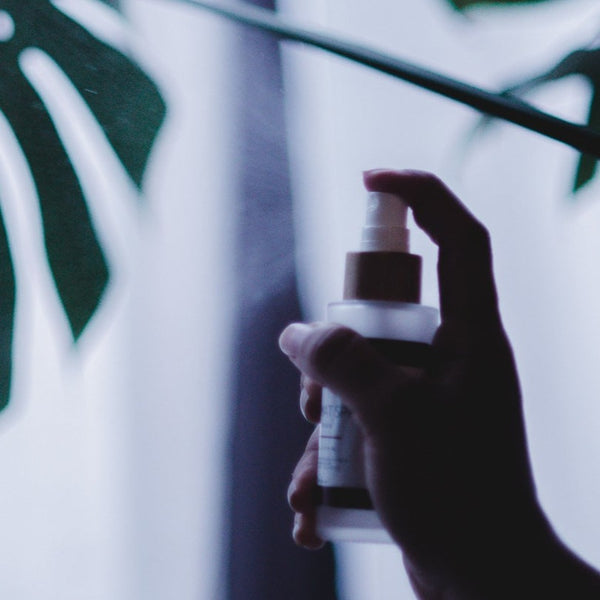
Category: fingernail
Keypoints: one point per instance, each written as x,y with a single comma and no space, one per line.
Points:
290,494
292,337
304,534
369,175
303,398
373,173
296,531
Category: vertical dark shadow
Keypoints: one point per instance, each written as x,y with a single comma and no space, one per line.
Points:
267,433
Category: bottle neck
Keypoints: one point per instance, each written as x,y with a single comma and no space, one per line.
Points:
389,276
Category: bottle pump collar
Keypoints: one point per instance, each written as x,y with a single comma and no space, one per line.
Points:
384,269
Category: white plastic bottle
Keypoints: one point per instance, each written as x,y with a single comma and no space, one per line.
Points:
382,292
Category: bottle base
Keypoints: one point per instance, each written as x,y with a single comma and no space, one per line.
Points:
351,525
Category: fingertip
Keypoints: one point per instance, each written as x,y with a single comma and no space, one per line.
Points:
292,338
310,401
394,180
370,177
296,498
305,533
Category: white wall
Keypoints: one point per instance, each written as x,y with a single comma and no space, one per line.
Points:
110,457
180,315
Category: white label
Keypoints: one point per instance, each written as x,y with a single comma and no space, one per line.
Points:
340,446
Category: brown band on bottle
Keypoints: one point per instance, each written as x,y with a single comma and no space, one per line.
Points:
344,497
391,276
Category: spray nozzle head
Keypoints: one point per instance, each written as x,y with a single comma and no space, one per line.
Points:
385,225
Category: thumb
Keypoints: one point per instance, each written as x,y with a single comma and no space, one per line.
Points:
343,361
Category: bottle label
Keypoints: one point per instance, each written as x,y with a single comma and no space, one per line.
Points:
341,472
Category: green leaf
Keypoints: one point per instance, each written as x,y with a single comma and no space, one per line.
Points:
124,100
127,105
130,110
74,255
7,313
463,4
497,105
586,169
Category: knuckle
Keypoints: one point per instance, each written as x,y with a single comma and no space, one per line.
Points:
303,401
431,184
476,238
432,181
311,408
426,178
334,343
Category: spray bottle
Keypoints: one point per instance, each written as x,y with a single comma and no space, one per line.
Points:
382,291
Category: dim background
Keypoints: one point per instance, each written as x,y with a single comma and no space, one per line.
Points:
112,455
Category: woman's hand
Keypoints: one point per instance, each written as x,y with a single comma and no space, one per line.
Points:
445,453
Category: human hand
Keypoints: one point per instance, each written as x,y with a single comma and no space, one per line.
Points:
445,453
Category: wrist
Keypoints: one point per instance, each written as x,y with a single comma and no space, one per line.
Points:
524,565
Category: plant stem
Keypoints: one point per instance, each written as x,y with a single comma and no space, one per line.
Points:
496,105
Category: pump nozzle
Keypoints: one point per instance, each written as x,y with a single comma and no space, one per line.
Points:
384,269
385,225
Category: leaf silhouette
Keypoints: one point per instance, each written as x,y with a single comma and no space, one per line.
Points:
7,313
497,105
585,63
130,111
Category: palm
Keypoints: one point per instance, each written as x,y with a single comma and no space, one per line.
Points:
455,452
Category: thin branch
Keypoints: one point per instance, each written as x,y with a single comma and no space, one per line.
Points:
500,106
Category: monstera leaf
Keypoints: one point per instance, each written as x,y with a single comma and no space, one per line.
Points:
585,63
129,109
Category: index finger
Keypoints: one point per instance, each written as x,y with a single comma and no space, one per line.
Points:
467,288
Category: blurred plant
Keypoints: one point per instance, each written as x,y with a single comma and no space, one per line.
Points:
129,109
503,105
584,62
